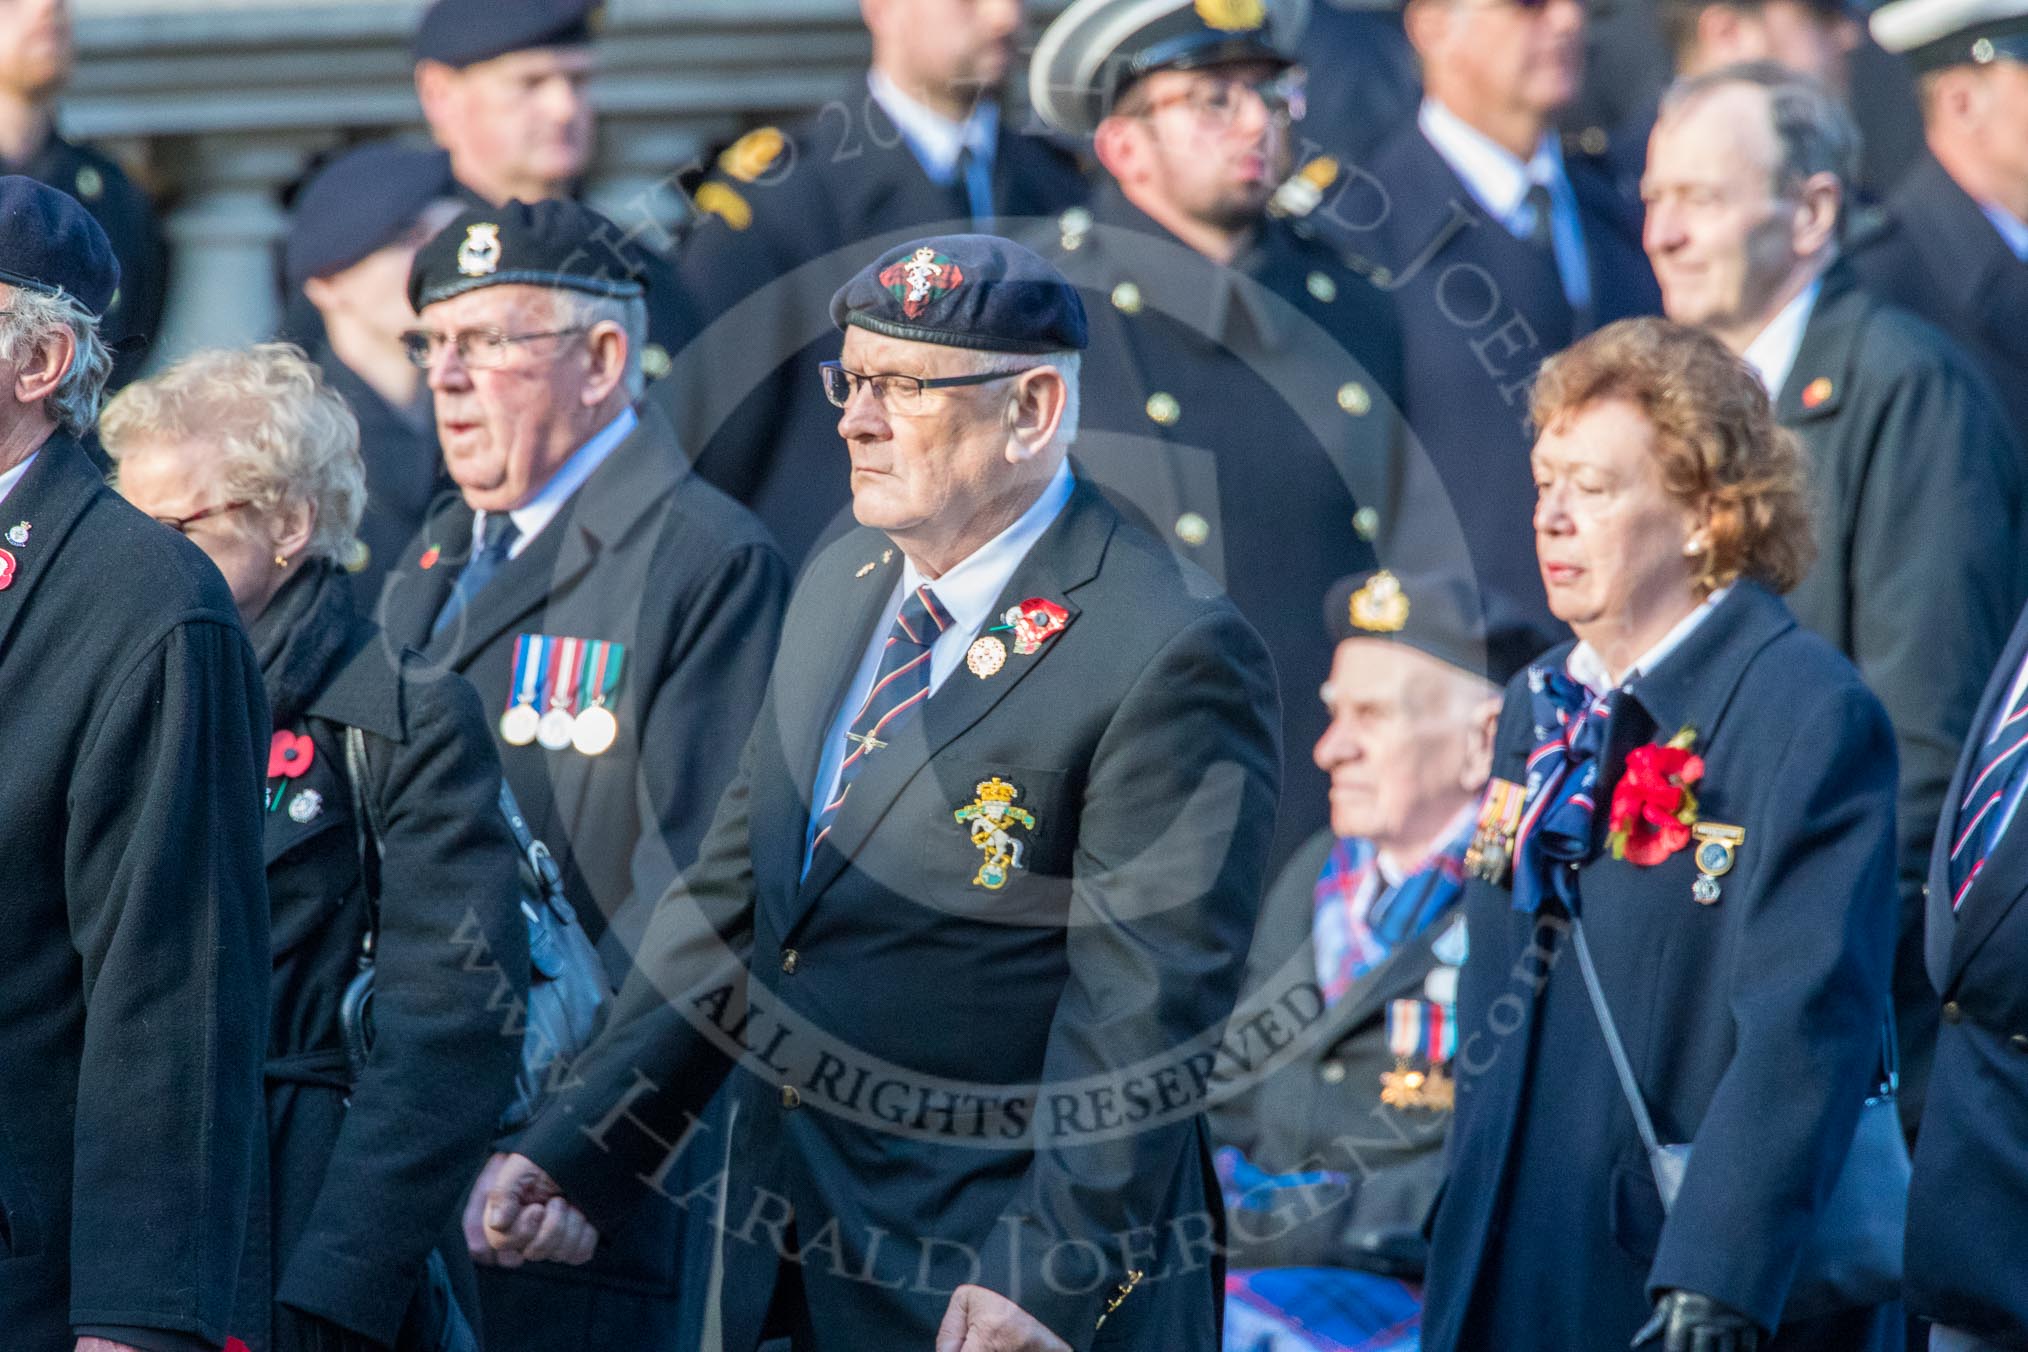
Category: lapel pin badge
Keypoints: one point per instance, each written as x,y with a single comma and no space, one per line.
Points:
1717,850
17,534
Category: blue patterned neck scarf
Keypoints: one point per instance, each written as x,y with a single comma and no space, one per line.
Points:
1570,725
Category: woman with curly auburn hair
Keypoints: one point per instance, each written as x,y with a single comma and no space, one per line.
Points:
1696,799
254,458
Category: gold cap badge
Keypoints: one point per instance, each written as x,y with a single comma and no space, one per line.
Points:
1381,606
479,255
1232,16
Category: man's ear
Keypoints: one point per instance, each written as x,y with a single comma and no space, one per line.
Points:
436,89
1427,24
1117,144
1817,207
42,367
1035,412
607,343
1480,728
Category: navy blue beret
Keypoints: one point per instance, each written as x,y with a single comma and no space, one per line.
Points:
50,243
976,291
555,243
1438,614
361,202
466,32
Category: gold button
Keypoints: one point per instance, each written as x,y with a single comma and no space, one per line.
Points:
1366,523
789,959
1127,298
90,183
1192,529
790,1098
1951,1012
1353,398
1332,1072
1380,276
654,361
1592,141
1322,287
1163,408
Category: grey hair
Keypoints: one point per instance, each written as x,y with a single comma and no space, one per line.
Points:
283,435
1066,364
1815,133
33,314
580,309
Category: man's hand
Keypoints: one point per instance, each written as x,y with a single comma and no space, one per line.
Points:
978,1320
526,1219
1687,1322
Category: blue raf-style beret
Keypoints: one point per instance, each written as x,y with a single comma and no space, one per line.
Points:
976,291
466,32
554,243
359,203
50,243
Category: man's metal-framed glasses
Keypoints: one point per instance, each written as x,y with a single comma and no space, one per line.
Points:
182,524
477,348
1216,99
896,392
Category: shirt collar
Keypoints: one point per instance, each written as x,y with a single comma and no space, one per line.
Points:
969,589
15,475
539,511
1772,353
1451,842
935,139
2013,230
1586,666
1496,177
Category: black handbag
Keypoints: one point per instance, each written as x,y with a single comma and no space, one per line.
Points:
1852,1259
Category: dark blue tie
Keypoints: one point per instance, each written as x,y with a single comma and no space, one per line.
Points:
899,688
1995,770
496,538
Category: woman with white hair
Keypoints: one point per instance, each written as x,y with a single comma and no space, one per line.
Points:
256,460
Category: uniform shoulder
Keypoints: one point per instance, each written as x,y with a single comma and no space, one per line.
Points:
1162,594
766,170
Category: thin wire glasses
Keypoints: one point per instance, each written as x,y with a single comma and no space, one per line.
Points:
898,393
477,348
1217,99
182,524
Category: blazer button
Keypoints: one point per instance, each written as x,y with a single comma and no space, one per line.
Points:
1951,1012
1332,1072
790,1098
2019,1041
789,960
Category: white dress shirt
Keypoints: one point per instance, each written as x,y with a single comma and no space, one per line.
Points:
1588,668
541,509
15,475
967,593
1772,353
936,141
1500,182
2012,228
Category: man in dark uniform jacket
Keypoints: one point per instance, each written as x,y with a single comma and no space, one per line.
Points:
1240,395
1498,251
785,216
133,1171
36,55
504,86
1334,1157
1905,440
1952,244
982,918
1968,1203
1363,78
616,614
357,227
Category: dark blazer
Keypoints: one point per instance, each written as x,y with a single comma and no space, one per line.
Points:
1322,1108
905,1016
404,475
133,1170
1479,311
1374,83
363,1189
1968,1205
1243,414
1933,251
1906,443
1753,1024
846,186
645,554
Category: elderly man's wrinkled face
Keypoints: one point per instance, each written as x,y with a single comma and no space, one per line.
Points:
1722,241
958,50
1408,742
1207,141
35,46
1608,535
520,124
506,429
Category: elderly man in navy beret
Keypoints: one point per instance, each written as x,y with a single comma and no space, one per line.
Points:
133,1016
975,911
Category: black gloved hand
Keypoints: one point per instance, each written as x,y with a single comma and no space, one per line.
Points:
1687,1322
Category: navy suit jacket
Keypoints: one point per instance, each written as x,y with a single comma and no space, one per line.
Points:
1754,1024
1968,1206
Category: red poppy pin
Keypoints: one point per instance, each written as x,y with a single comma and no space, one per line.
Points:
1654,803
430,557
1035,622
922,277
290,754
6,570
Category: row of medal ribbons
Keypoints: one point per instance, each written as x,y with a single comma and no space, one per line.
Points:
562,693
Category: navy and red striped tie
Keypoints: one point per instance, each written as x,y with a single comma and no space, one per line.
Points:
900,686
1994,773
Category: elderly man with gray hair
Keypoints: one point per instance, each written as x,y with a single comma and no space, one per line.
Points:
133,1015
1920,569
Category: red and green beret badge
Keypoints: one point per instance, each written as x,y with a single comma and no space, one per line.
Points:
924,276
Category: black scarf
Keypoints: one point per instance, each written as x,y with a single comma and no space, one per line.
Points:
301,636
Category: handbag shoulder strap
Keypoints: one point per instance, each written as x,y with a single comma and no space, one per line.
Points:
366,819
1629,1086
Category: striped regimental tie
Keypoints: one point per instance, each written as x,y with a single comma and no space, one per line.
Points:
1980,812
899,689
